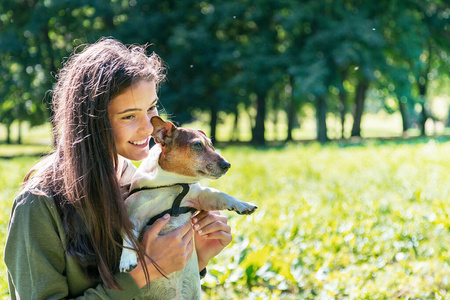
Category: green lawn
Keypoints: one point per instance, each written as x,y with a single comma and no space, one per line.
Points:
367,222
12,172
358,222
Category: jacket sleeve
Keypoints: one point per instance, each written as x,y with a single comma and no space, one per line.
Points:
128,172
35,257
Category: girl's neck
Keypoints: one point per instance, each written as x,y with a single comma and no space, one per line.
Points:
121,163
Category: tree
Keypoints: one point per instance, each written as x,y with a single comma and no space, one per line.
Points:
35,36
339,39
260,65
416,38
266,57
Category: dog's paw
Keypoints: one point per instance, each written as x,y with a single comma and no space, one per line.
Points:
128,261
243,208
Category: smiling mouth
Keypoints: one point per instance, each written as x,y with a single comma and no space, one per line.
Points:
139,143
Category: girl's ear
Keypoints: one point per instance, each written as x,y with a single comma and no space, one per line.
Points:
162,130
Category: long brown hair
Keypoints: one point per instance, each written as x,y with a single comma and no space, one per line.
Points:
81,173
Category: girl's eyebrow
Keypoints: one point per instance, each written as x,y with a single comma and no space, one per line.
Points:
128,110
135,109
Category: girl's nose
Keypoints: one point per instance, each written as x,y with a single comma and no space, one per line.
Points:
146,125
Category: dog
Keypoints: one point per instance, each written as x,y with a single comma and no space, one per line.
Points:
180,158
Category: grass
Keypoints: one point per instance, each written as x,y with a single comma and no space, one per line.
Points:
337,223
357,222
13,171
36,135
378,125
14,150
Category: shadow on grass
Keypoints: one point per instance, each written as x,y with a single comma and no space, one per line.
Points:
341,143
9,151
361,142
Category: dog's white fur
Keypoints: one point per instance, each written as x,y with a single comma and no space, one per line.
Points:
141,206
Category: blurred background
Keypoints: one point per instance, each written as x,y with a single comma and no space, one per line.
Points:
333,114
258,72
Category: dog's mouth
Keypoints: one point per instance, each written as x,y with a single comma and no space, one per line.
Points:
208,174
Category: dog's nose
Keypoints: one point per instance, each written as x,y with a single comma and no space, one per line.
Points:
225,165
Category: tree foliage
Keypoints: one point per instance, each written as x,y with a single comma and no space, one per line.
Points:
264,57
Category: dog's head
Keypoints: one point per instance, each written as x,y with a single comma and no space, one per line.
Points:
187,152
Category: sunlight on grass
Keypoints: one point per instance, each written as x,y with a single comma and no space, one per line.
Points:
363,222
381,124
355,222
13,171
372,126
38,135
19,150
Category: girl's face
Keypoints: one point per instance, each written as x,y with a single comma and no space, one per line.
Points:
129,114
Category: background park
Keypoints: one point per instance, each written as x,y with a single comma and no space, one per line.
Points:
333,114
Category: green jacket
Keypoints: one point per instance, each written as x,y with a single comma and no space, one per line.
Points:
39,268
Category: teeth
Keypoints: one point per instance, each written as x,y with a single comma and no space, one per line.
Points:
139,142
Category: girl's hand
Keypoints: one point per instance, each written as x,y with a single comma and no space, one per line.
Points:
212,235
170,252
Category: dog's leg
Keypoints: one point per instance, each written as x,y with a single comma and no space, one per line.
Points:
205,198
128,260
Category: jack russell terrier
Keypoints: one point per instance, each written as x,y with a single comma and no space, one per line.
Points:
171,171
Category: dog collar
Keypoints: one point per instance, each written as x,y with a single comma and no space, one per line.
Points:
176,209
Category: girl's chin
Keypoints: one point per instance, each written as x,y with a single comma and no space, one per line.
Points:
141,156
136,155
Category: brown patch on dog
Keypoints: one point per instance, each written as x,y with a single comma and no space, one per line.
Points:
177,159
187,151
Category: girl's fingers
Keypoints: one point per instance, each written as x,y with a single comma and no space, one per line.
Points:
155,229
209,222
213,227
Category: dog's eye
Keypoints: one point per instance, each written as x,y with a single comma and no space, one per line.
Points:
197,145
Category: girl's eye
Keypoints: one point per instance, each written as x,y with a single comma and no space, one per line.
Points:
130,117
152,108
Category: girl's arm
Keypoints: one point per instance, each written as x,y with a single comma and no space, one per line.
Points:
37,265
170,252
212,235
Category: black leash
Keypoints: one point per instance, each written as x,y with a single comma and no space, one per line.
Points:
175,210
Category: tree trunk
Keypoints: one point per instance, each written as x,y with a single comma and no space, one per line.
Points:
343,111
235,132
448,117
291,113
19,134
360,97
423,117
213,123
259,129
321,116
291,109
343,99
275,124
422,84
8,133
404,114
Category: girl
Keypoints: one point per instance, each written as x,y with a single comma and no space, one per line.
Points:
65,232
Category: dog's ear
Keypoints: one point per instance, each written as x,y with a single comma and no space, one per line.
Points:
162,130
202,132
